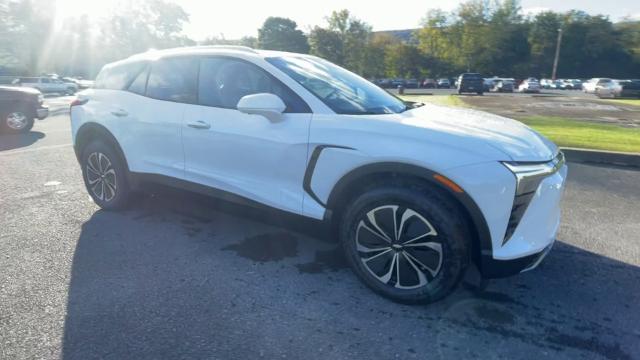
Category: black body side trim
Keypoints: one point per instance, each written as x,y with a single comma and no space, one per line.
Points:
311,166
142,178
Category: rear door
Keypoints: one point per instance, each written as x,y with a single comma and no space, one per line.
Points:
155,112
247,155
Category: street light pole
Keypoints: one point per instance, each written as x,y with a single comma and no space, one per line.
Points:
555,60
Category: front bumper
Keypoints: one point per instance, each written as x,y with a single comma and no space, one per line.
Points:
42,112
534,235
491,268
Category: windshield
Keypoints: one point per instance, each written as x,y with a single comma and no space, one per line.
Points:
343,91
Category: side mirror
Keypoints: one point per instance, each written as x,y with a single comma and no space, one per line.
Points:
267,105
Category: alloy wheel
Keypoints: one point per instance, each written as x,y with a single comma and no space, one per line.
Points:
101,176
17,120
399,247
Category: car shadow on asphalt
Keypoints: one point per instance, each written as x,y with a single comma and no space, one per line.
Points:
183,276
16,141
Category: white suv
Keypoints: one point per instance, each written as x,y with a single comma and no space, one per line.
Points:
416,192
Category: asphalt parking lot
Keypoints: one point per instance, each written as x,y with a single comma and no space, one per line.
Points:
182,276
572,104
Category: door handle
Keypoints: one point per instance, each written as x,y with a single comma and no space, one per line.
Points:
199,125
119,113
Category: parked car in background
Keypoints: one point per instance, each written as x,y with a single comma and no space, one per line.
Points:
19,106
576,84
47,85
551,84
383,83
397,82
412,84
448,187
503,85
488,83
590,85
429,84
7,80
83,83
444,84
79,81
619,89
569,84
529,86
470,83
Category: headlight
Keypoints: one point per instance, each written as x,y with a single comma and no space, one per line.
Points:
529,175
528,178
40,98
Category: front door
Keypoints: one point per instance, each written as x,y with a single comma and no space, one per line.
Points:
247,155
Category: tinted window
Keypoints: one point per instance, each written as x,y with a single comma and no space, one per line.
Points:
118,77
173,79
341,90
44,81
224,81
139,84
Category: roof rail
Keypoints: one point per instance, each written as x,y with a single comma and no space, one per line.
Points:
224,47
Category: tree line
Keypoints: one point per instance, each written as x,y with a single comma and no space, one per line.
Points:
490,37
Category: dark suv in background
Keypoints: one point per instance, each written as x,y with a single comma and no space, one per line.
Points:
19,106
470,83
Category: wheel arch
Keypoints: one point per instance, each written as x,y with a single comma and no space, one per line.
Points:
91,131
349,185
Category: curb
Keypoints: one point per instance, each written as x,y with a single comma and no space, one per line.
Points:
602,157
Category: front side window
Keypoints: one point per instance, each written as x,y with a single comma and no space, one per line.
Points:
174,79
224,81
341,90
45,81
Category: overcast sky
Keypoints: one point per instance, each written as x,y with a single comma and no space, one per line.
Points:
237,18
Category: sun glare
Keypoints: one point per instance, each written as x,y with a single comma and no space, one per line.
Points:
66,9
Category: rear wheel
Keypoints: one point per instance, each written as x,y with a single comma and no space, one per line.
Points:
406,242
105,176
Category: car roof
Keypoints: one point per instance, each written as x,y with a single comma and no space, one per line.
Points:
240,51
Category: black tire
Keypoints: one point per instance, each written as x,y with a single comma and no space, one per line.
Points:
9,125
480,93
438,210
109,176
70,91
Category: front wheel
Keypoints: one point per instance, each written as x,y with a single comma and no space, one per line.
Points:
16,121
406,242
105,176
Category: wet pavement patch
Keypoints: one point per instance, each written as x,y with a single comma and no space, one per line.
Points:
330,260
266,247
495,315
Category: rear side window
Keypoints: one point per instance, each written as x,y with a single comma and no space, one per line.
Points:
118,77
139,84
174,79
224,81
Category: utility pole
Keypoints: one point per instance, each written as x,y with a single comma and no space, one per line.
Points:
555,60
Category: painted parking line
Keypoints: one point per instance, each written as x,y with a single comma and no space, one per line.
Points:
34,149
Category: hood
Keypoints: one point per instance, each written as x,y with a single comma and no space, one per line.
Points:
513,138
20,89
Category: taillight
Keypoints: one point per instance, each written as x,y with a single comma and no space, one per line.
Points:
78,101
